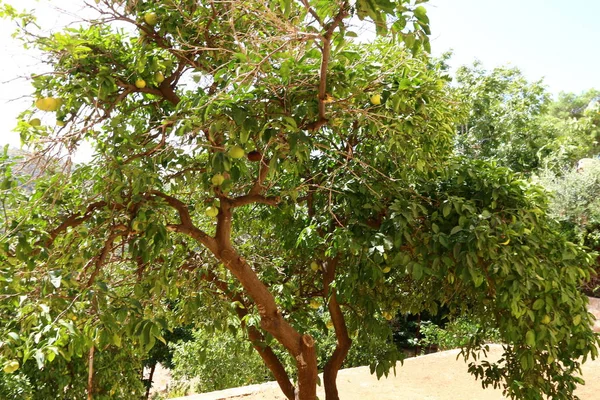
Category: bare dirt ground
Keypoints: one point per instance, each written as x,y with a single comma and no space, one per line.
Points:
438,376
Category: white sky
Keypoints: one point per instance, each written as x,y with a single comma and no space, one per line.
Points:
552,39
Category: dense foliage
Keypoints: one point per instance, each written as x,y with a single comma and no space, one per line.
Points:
257,171
516,123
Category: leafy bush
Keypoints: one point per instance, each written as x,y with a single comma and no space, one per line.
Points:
575,205
220,360
457,333
15,386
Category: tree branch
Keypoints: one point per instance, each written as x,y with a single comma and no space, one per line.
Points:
326,53
254,198
262,176
186,226
71,221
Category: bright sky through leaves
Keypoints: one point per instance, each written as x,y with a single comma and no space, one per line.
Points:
550,39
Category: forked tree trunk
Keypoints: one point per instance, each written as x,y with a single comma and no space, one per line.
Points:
256,338
301,347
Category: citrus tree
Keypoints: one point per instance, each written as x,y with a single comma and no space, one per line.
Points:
255,167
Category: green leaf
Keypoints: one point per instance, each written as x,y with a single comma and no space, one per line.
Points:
417,271
538,304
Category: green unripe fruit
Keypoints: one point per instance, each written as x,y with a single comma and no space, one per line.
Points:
48,103
35,122
314,266
159,77
211,211
218,180
151,18
236,152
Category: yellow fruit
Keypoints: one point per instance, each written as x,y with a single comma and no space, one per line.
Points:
41,104
60,123
314,266
218,180
314,304
48,103
329,325
140,83
151,18
387,315
11,366
159,77
386,270
376,99
211,211
35,122
236,152
546,319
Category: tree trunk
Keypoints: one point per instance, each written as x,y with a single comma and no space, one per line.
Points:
152,369
301,347
256,338
306,364
344,342
272,362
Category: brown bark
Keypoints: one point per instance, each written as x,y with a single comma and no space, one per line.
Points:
301,347
306,364
257,339
344,342
272,362
90,383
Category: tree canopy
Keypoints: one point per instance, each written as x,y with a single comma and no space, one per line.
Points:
256,168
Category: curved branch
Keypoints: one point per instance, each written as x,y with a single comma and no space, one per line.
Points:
71,221
186,226
344,342
254,198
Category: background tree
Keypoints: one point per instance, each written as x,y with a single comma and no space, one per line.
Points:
517,124
503,122
254,167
